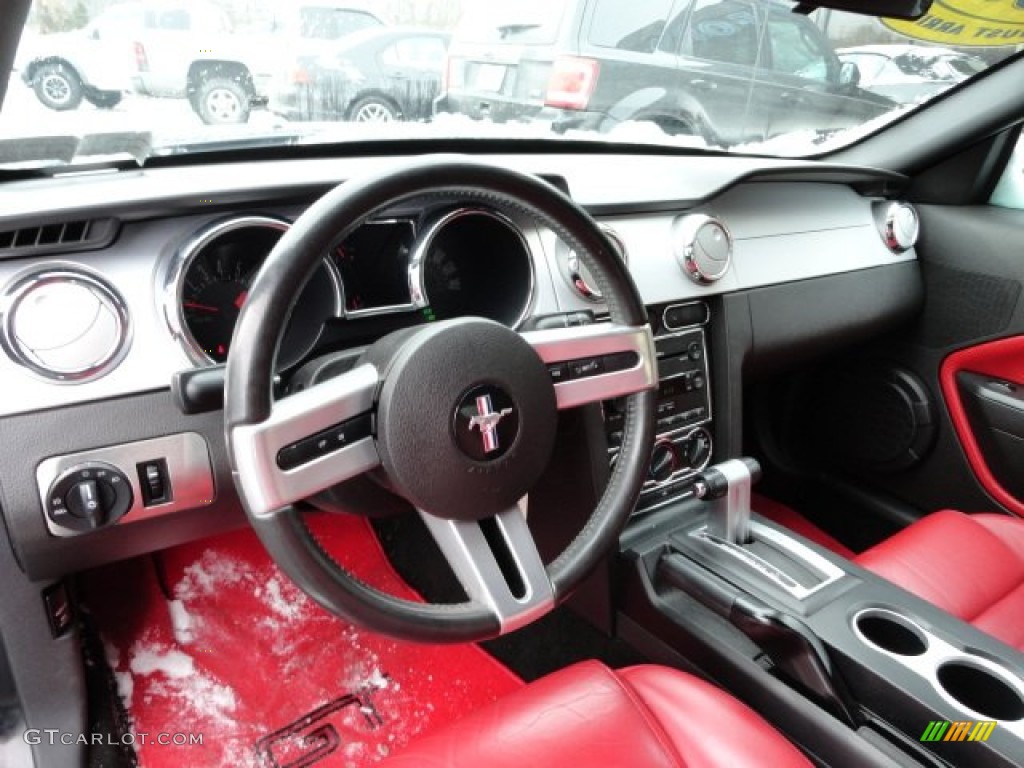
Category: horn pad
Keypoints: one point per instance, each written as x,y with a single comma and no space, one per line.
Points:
467,417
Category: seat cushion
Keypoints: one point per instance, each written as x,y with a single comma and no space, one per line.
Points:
587,715
969,565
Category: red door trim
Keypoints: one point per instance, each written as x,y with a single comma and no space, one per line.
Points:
1001,359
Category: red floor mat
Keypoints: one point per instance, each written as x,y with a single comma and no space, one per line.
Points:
797,523
211,638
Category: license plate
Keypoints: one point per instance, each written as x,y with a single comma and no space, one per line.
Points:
489,77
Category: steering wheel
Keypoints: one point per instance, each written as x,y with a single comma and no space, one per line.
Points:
459,415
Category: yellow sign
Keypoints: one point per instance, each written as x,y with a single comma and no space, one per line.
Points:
970,23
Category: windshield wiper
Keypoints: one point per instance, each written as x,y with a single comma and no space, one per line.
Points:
59,152
507,30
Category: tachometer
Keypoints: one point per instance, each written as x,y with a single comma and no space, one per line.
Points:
210,284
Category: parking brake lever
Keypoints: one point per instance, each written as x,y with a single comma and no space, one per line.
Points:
795,650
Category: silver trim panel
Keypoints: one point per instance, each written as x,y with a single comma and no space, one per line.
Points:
559,345
189,472
471,559
830,573
263,485
937,653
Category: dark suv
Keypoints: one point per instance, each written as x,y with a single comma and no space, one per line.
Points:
727,70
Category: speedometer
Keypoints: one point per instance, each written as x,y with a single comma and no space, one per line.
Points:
474,261
210,284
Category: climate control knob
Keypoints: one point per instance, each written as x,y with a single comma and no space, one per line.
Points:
663,461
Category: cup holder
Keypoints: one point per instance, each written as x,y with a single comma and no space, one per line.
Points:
981,690
891,632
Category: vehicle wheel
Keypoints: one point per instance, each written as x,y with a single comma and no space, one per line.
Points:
102,99
58,86
373,109
221,100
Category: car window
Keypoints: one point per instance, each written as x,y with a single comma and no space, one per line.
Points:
118,20
172,19
964,66
421,52
795,50
325,23
724,32
634,26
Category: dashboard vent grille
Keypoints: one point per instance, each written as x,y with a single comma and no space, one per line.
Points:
81,235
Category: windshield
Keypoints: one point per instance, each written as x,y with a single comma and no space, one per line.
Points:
106,81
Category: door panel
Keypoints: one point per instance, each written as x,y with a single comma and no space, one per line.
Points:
988,415
849,413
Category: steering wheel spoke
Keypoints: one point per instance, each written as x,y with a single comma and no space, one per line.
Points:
596,362
497,562
312,440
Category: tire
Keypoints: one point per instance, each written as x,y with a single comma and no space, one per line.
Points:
58,86
102,99
373,109
222,101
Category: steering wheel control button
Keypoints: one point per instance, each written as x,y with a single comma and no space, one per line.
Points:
703,247
559,372
325,442
591,366
89,496
486,423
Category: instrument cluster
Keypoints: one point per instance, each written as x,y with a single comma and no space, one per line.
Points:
459,261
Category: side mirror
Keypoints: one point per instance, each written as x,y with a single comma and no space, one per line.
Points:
849,74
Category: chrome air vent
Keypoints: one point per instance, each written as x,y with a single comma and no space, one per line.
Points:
899,225
62,237
64,324
702,246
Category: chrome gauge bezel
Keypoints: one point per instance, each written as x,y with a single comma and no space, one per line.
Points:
417,264
21,286
564,256
174,284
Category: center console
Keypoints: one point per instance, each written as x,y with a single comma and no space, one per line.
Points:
683,446
878,666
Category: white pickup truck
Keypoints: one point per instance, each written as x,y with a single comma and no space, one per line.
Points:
181,49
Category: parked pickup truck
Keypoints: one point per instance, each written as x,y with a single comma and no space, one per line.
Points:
224,74
180,49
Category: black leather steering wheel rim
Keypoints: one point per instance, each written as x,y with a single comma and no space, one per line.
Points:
249,396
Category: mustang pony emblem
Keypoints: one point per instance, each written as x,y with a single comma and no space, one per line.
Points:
486,420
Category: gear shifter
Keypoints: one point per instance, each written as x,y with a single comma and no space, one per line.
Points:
726,487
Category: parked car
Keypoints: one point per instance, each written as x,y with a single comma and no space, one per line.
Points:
910,73
691,68
92,64
377,75
223,75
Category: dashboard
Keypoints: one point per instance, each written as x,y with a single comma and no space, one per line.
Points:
141,276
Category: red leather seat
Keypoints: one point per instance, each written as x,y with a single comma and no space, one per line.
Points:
588,715
969,565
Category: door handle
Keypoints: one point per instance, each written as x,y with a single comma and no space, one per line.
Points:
704,85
